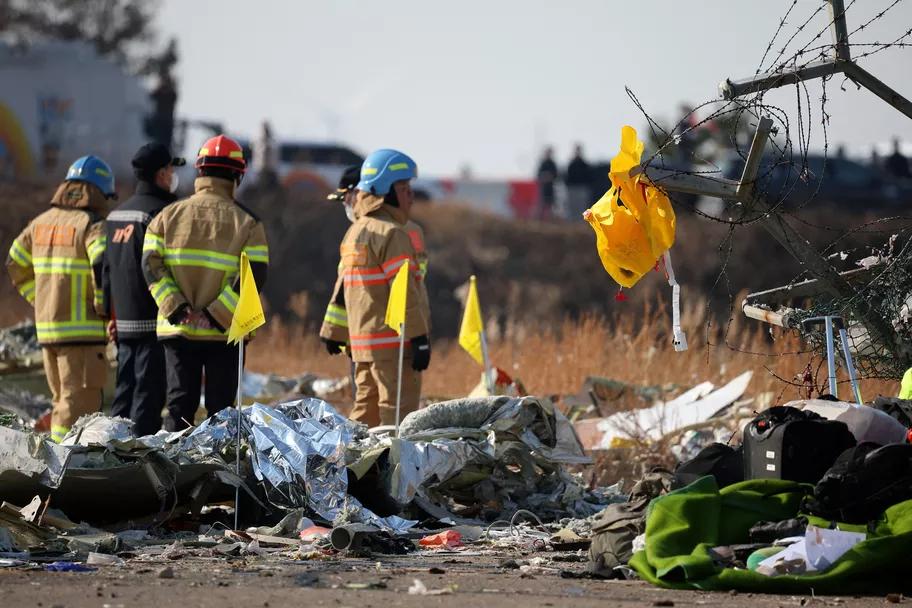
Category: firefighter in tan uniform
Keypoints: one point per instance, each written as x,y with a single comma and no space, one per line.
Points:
56,264
373,250
334,331
191,257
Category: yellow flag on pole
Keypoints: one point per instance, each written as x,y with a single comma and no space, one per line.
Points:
248,315
470,331
395,307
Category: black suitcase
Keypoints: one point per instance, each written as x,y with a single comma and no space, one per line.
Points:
788,443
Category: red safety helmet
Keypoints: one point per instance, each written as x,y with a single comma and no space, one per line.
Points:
221,151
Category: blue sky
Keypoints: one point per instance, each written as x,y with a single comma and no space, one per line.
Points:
488,83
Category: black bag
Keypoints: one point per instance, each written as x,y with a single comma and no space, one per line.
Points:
788,443
901,409
863,482
723,462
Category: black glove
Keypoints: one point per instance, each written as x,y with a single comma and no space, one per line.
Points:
333,347
180,314
421,353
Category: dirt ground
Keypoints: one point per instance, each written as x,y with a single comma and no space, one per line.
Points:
468,579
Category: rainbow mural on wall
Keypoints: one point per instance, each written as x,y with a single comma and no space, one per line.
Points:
16,155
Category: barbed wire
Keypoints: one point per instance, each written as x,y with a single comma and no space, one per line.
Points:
790,179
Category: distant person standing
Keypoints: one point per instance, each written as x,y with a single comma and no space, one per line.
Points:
897,165
140,392
159,125
579,184
547,179
265,157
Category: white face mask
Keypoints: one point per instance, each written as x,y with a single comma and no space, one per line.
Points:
175,182
349,212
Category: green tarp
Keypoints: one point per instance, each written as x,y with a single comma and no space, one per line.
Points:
682,526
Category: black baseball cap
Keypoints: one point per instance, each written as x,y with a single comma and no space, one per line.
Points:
350,178
154,156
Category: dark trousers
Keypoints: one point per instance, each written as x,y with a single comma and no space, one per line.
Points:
140,392
187,361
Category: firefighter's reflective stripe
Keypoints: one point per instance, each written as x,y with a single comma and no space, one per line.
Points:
377,341
373,275
67,330
153,242
257,253
163,328
229,299
57,265
202,258
423,269
96,249
163,288
59,432
398,167
336,315
27,290
20,254
78,287
390,267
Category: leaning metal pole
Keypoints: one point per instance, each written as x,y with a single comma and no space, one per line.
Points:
840,63
744,191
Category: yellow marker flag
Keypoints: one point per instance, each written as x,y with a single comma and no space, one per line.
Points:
470,331
249,312
395,307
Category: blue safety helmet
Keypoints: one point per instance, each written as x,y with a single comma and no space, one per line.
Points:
382,168
93,170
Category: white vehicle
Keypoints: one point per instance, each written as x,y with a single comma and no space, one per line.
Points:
309,167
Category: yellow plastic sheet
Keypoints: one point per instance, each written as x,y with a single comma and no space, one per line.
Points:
634,222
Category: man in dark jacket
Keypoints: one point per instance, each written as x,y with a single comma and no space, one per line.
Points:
579,182
140,393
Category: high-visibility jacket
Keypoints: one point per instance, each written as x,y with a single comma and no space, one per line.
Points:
373,250
335,321
191,258
56,264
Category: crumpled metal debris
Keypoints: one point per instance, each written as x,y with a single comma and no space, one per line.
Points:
299,449
19,348
20,409
491,450
28,457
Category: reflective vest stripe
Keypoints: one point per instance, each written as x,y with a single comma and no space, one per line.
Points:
376,341
153,242
258,253
392,266
68,330
336,315
58,432
61,266
129,216
229,299
201,258
163,288
372,275
20,254
96,249
27,290
77,298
